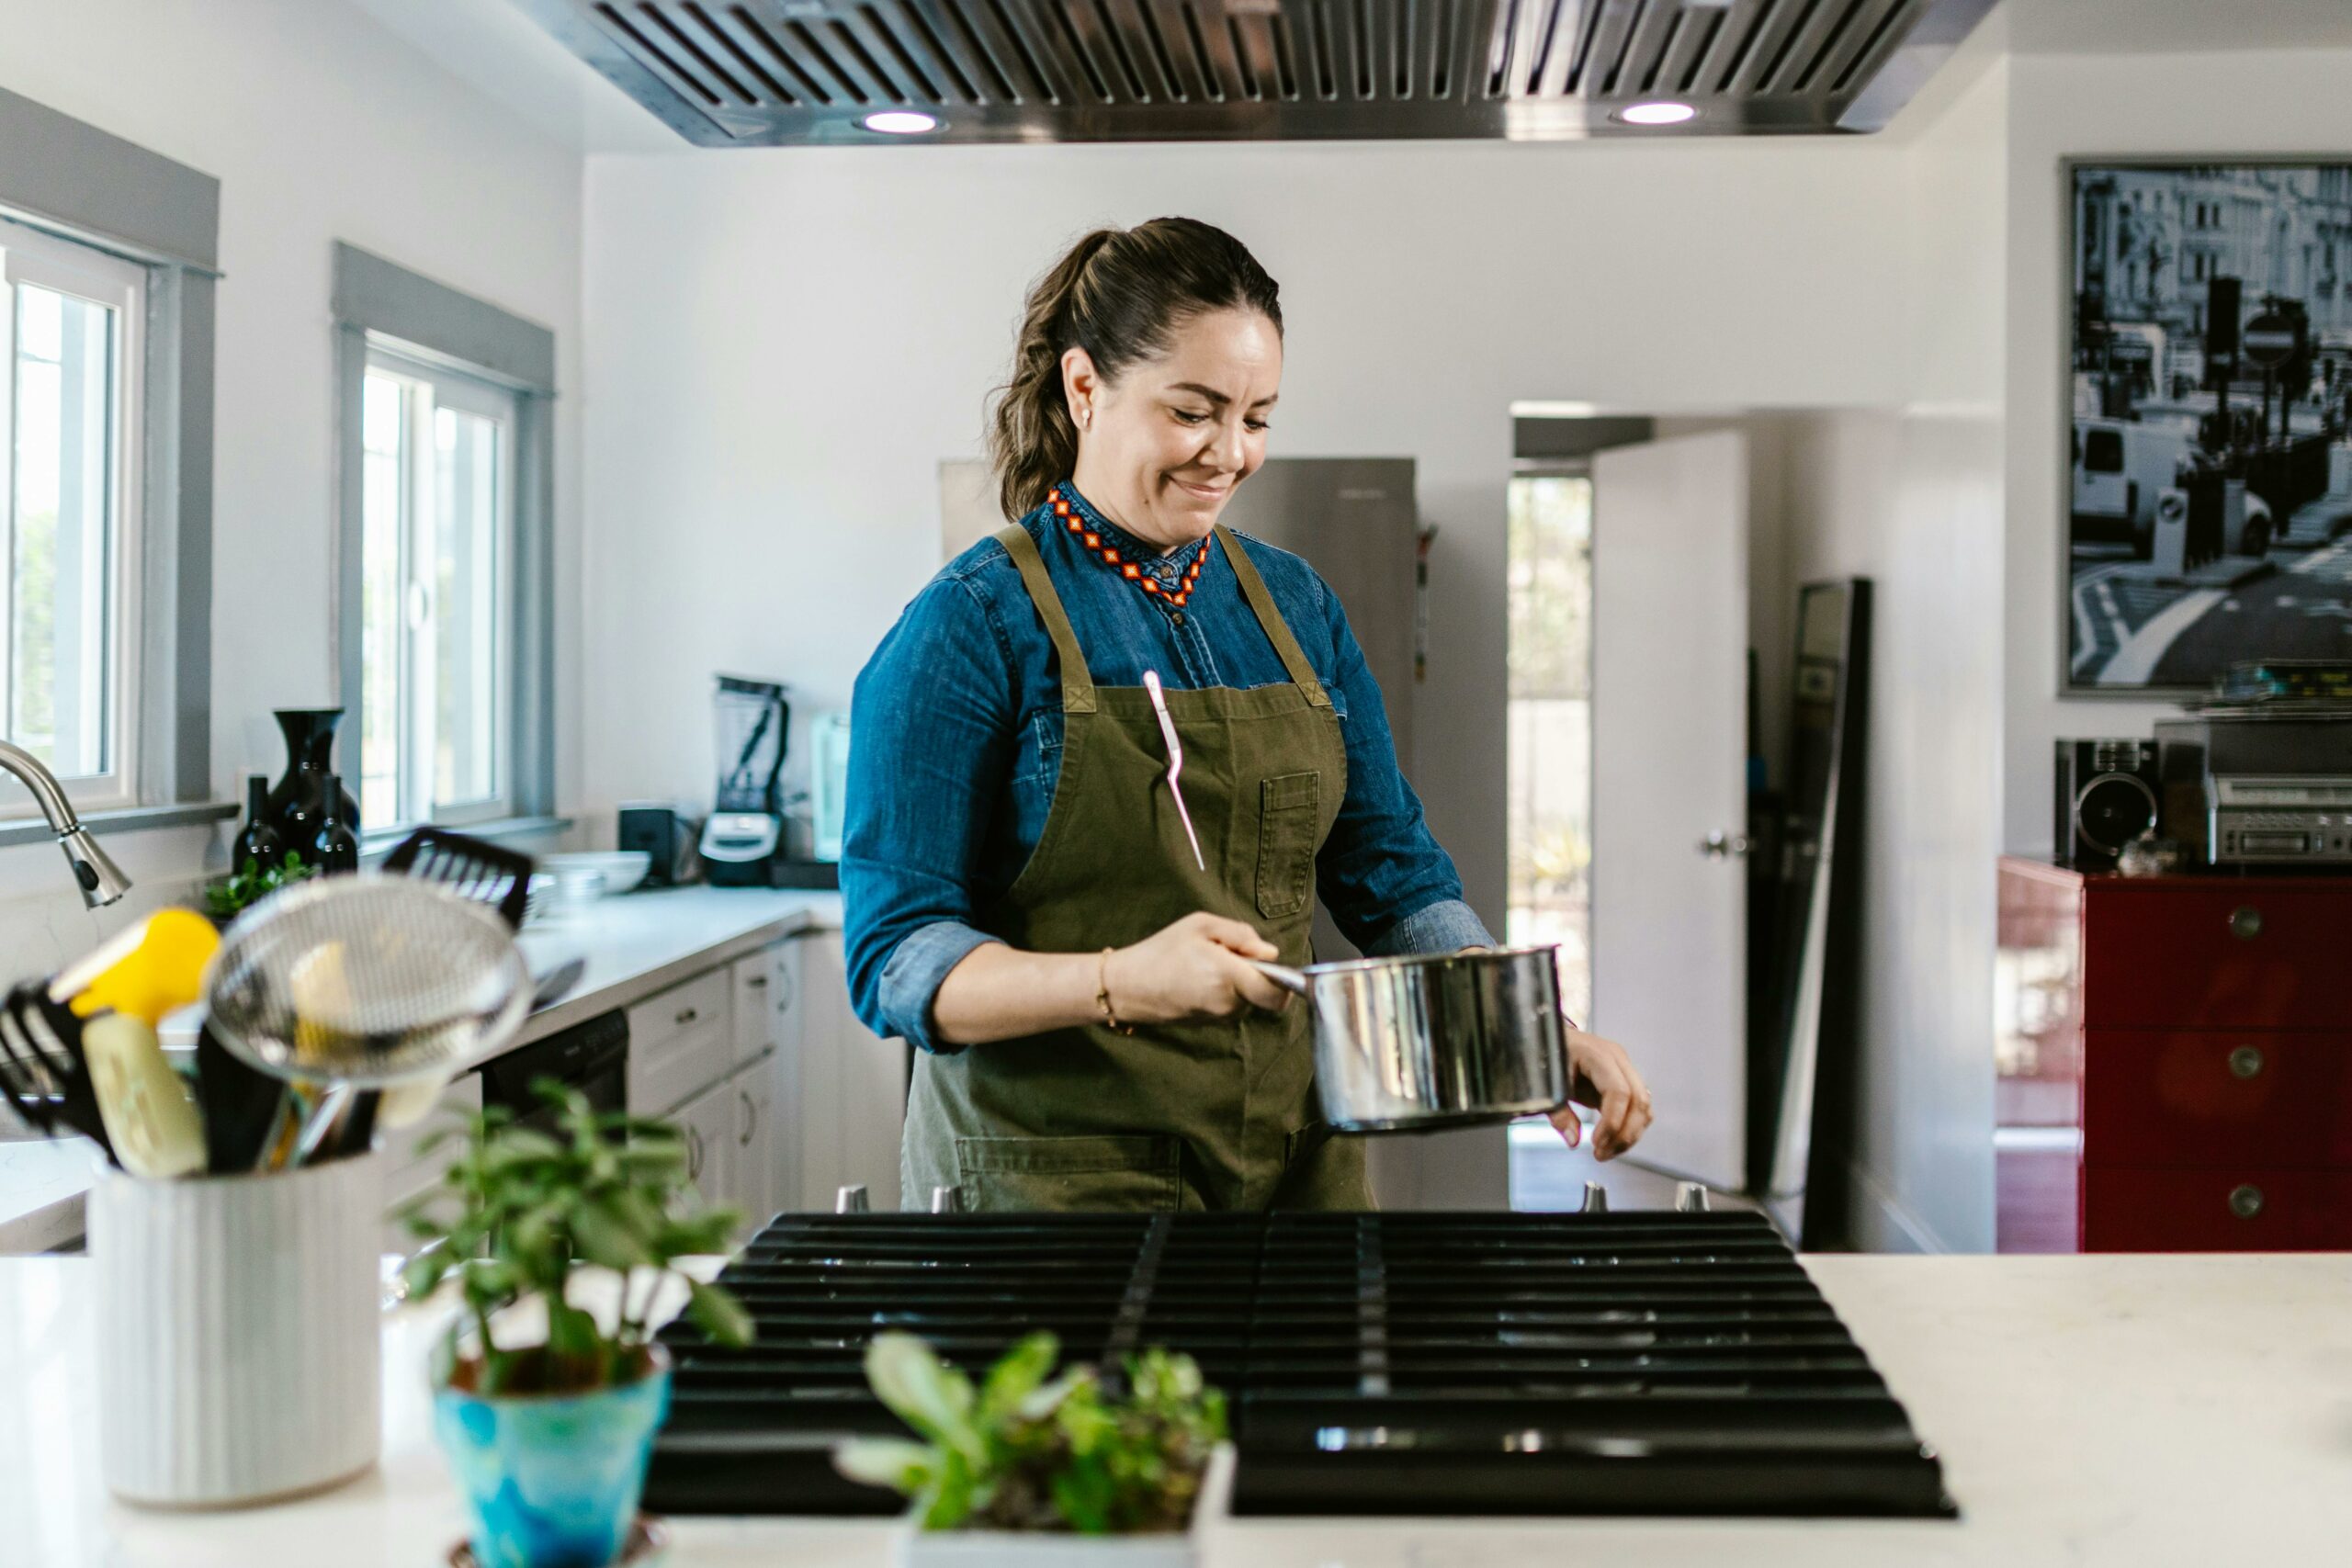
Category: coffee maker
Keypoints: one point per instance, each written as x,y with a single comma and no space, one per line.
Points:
744,836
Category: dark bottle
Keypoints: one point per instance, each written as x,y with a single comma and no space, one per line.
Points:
259,845
332,847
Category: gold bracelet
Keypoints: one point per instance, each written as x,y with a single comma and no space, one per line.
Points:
1102,994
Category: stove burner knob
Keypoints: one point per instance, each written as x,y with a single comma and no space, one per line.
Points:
943,1200
1596,1199
1689,1198
852,1200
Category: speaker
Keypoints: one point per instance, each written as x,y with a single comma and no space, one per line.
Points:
2105,797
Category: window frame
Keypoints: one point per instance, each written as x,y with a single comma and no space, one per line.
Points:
29,254
70,180
427,388
381,307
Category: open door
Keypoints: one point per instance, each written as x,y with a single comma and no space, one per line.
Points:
1669,806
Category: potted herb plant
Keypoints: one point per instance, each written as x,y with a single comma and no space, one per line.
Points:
1022,1472
226,899
549,1427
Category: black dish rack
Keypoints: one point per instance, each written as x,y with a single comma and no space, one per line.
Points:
1410,1363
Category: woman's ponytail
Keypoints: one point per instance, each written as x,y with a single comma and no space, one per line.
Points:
1031,441
1118,294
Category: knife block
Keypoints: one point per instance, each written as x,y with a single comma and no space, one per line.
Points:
239,1342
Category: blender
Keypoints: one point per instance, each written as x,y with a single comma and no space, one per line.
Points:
744,836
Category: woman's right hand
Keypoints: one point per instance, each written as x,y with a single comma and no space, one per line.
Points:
1192,968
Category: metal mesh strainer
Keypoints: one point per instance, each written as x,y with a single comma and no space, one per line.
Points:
365,979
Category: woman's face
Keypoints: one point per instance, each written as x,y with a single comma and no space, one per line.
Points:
1161,448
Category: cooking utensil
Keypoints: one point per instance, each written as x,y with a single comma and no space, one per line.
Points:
366,979
240,1106
1175,761
146,1108
149,969
1435,1040
483,871
43,1070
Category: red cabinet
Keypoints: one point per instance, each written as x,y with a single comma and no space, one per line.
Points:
2182,1048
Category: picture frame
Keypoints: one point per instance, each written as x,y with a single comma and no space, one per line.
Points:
2207,490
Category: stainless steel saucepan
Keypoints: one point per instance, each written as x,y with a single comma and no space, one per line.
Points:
1435,1040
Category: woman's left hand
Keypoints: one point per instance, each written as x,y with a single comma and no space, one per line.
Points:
1601,1075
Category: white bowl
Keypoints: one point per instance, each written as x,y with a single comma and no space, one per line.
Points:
620,870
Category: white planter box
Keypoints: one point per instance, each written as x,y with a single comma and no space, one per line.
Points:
913,1548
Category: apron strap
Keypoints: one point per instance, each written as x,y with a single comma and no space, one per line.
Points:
1078,682
1253,588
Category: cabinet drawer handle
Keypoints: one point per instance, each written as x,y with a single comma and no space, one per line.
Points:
750,1118
694,1153
2245,1062
2246,1200
755,982
686,1016
2245,922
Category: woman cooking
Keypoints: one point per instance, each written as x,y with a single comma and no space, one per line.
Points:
1064,932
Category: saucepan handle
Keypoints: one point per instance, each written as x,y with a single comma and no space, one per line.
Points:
1289,979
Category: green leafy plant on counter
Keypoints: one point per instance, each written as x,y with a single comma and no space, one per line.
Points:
520,1211
225,899
1021,1453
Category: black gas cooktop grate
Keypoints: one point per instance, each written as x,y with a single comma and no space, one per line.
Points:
1401,1364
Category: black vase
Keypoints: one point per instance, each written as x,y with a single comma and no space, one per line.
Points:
296,802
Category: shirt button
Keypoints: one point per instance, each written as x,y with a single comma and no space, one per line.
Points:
1178,616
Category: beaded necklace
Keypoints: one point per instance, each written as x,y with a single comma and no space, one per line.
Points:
1110,556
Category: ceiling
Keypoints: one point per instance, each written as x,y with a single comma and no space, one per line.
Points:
2176,27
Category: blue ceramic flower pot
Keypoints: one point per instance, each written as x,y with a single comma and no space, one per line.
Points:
554,1482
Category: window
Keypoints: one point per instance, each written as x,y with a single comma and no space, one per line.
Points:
436,635
2103,454
71,318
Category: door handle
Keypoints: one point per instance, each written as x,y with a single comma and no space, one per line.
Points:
751,1119
693,1153
1720,845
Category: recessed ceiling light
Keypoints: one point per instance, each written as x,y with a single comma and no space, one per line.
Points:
900,122
1659,113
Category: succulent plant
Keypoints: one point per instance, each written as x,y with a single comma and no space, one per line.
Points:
1021,1452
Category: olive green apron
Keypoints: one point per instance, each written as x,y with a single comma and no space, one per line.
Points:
1215,1115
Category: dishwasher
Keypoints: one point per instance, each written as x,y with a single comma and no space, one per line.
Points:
590,1056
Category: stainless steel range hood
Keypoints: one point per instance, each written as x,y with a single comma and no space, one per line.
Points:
776,73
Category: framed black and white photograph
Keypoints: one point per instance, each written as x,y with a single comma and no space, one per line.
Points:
2210,362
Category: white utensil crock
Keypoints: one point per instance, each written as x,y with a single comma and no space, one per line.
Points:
238,1333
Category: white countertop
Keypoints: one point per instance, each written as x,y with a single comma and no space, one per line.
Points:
2127,1411
633,945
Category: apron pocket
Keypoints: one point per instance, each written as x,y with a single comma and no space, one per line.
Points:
1289,813
1133,1173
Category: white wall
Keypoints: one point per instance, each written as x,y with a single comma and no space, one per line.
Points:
320,126
1911,498
2247,101
785,343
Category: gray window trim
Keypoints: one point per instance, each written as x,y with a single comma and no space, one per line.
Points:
78,182
383,304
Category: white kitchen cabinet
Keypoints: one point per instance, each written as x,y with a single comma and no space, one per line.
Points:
680,1041
758,1174
851,1089
707,1123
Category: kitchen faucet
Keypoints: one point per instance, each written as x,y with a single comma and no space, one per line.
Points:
100,880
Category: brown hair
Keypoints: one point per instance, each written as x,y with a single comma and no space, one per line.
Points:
1118,294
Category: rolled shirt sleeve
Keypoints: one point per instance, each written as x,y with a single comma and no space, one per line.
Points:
933,719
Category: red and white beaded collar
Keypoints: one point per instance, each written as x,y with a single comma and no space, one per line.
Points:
1072,517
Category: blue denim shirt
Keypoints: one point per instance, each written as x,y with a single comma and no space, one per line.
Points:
956,739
